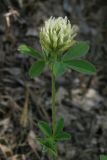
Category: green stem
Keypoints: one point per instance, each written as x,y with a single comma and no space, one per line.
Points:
53,107
53,104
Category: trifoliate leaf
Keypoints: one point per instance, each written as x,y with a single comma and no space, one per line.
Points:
26,50
36,68
78,50
45,128
81,66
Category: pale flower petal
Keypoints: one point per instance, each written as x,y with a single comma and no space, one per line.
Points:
57,35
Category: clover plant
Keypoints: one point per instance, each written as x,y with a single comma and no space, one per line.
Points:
60,51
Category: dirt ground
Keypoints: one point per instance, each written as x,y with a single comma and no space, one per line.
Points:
81,99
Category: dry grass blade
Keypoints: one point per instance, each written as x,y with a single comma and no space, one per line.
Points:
9,35
10,102
24,120
12,12
4,124
32,144
42,112
7,152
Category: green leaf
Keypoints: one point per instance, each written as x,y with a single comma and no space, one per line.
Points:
59,126
81,66
24,49
45,128
63,136
59,68
36,68
103,157
78,50
49,145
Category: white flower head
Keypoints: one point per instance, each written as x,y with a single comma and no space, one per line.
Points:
57,35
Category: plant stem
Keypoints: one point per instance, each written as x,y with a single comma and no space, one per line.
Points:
53,104
53,107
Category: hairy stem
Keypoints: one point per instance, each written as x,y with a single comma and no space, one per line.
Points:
53,104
